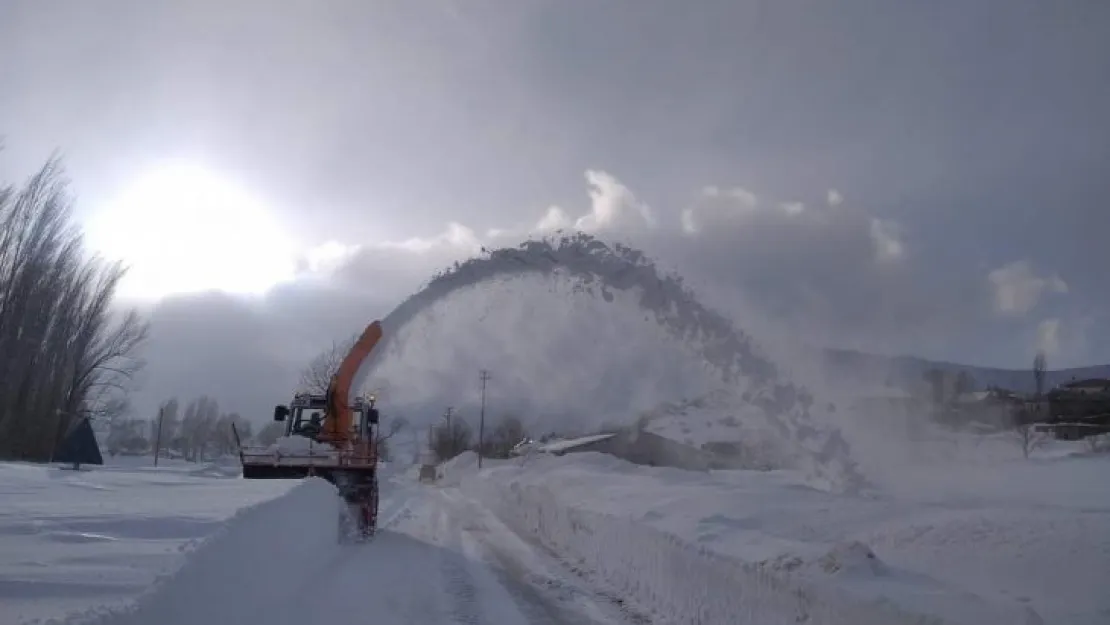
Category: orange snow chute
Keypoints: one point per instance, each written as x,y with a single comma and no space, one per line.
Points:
337,416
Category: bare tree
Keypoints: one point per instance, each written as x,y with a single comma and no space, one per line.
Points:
64,352
964,384
1040,364
1024,429
387,429
127,436
451,438
505,435
222,435
269,434
316,377
198,427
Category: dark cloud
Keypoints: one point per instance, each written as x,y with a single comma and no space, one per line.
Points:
969,145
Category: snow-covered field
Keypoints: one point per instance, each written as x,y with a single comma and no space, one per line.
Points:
71,540
1013,542
583,538
188,545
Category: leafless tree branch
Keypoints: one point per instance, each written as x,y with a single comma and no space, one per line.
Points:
61,355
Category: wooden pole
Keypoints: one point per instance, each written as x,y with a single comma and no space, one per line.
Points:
158,435
484,377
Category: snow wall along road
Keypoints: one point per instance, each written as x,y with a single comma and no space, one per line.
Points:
598,269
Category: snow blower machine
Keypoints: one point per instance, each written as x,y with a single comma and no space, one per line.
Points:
331,436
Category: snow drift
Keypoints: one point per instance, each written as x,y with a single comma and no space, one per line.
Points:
674,579
237,570
987,550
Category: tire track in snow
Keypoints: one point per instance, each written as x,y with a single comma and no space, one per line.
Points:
542,594
458,579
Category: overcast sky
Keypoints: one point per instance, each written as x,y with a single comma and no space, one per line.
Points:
907,177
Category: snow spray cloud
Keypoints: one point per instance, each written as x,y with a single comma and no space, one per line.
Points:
562,361
604,271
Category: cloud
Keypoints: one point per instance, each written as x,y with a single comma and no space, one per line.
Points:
827,272
1018,289
613,206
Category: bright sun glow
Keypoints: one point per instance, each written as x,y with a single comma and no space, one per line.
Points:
181,228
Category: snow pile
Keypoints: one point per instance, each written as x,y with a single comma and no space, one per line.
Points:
463,462
725,424
451,472
74,540
983,548
236,571
598,269
301,446
678,581
853,558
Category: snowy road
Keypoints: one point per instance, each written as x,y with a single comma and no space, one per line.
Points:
439,559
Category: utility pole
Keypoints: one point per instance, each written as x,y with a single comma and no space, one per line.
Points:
484,377
450,430
158,436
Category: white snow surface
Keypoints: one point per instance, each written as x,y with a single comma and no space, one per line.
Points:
439,558
71,540
583,538
301,445
1021,542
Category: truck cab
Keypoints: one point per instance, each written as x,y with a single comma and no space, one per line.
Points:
304,416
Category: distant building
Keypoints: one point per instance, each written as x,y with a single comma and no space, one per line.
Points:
995,407
637,447
1079,408
1089,386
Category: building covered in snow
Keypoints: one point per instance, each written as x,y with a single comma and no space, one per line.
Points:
637,447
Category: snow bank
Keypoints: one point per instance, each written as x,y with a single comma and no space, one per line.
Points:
463,462
980,548
216,470
679,582
243,566
452,472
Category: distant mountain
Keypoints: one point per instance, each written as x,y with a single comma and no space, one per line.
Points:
903,371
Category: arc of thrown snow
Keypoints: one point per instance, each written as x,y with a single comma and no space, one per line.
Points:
594,264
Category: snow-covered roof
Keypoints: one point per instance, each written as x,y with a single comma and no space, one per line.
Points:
571,443
975,396
887,392
1088,383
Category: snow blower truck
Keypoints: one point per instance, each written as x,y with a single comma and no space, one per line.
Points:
331,436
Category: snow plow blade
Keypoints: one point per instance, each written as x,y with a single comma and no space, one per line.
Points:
275,472
268,471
